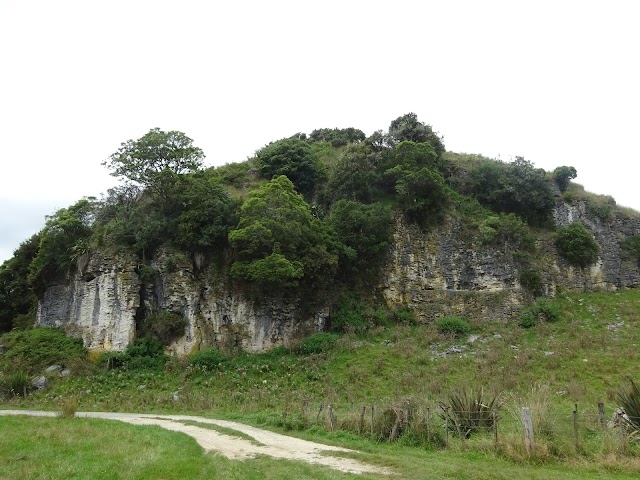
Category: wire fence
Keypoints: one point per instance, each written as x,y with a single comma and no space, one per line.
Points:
440,425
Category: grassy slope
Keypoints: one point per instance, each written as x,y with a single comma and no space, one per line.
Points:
55,448
394,363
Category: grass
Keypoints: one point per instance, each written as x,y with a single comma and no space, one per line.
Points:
583,358
55,448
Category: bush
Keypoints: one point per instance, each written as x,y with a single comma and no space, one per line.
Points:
576,245
209,358
468,412
141,354
543,310
354,315
532,281
630,401
404,315
37,348
453,325
318,343
164,326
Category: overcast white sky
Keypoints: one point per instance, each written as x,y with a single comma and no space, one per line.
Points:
557,82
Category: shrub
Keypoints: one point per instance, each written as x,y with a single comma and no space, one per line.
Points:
37,348
631,247
576,245
354,315
468,412
542,310
142,353
532,281
453,325
318,343
630,401
404,315
164,326
209,358
16,384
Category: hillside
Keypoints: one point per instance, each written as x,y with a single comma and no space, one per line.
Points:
268,251
346,287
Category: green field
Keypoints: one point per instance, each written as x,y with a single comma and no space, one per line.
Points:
595,353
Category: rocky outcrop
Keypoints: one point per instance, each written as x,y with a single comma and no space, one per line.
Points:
445,271
98,304
442,271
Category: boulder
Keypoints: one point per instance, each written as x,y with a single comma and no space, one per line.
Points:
40,383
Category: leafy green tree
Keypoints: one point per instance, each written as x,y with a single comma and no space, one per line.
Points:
16,297
516,187
64,237
365,230
423,194
563,175
337,137
577,245
354,176
407,127
142,161
293,158
278,242
205,214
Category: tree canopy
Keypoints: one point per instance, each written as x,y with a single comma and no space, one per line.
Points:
142,161
409,128
294,158
278,241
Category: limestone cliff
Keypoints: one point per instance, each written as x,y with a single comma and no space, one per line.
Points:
442,271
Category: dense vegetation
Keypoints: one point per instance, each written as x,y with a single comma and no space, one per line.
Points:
315,213
306,214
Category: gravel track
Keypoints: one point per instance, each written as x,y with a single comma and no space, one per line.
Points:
265,442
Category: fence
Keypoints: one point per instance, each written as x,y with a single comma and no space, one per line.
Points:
440,425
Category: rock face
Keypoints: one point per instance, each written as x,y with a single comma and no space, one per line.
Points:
442,271
99,304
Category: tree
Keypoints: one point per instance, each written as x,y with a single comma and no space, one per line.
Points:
354,176
407,127
16,297
337,137
64,237
562,176
576,245
517,187
142,161
293,158
278,242
205,214
365,230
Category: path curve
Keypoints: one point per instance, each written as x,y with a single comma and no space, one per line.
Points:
265,442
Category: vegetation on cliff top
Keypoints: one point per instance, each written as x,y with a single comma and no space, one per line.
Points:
304,212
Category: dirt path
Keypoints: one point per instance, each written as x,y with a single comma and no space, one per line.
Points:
264,442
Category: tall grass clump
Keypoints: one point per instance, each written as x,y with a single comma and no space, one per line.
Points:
630,401
16,384
469,411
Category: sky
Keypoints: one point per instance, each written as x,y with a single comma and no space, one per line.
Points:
557,82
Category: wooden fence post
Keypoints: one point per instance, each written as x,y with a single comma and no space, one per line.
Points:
332,418
495,428
603,420
446,426
575,427
427,421
528,429
361,425
372,414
